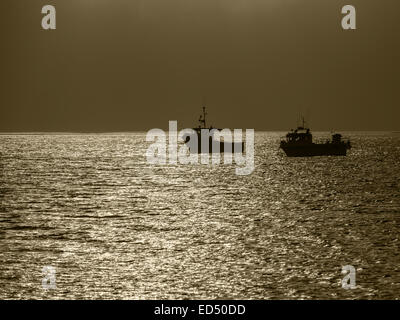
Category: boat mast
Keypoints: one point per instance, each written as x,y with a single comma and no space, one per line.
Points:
202,119
204,116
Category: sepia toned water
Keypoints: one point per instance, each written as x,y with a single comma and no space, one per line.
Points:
115,227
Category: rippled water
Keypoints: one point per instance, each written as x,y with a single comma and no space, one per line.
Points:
114,226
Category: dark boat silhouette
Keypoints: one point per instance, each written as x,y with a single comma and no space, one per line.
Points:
299,143
224,146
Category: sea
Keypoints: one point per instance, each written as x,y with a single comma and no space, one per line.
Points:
109,225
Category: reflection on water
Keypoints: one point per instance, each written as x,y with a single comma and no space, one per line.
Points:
115,227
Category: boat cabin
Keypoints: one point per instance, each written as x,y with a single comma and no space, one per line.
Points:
300,135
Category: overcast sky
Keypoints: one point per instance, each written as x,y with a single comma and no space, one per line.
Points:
130,65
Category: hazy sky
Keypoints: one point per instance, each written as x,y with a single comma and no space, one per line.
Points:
127,65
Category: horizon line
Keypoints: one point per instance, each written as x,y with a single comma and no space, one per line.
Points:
143,131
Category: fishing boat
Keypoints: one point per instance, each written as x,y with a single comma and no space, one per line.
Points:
299,143
215,143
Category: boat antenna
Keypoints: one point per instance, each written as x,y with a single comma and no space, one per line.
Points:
204,116
302,125
202,119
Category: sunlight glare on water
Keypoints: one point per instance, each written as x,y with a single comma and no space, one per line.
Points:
114,226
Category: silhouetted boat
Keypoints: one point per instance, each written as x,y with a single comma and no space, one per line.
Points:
228,146
298,143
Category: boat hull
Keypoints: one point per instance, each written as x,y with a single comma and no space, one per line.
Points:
229,147
315,150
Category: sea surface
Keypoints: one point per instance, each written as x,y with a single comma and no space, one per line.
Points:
115,227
